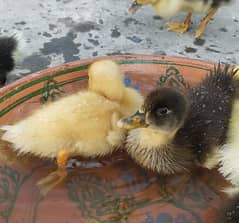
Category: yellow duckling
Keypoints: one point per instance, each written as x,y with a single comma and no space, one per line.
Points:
82,124
171,8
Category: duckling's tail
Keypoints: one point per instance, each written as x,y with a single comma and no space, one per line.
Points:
9,157
5,151
8,46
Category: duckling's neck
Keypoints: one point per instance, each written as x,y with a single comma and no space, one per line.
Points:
155,150
151,137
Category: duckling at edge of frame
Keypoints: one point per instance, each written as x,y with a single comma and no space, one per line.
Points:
181,130
8,48
171,8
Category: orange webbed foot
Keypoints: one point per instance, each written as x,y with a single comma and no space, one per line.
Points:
181,27
53,179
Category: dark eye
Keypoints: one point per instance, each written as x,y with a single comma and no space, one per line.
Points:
162,111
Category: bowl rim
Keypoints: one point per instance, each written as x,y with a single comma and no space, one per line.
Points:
29,77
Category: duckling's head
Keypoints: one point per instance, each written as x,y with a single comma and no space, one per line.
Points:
150,141
164,109
106,79
139,3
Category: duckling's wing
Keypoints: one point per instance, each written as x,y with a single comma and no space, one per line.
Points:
61,124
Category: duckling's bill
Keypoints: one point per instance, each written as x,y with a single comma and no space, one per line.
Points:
137,120
134,7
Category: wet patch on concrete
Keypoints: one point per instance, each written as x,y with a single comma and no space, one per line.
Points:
190,50
118,52
83,27
156,17
133,21
115,33
223,29
36,62
134,39
199,42
46,34
67,1
87,47
86,27
52,26
64,45
94,42
212,50
20,23
94,54
160,52
67,21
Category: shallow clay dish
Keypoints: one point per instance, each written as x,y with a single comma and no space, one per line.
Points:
114,189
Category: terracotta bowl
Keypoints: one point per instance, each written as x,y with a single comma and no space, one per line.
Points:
113,189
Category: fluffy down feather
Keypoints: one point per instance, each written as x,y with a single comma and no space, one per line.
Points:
83,123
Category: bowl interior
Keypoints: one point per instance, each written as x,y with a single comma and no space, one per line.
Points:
113,189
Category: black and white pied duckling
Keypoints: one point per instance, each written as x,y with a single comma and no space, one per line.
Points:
180,130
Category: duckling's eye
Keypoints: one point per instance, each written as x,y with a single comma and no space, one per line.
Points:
162,111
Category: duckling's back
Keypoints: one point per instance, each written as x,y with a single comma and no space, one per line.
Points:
211,106
78,123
